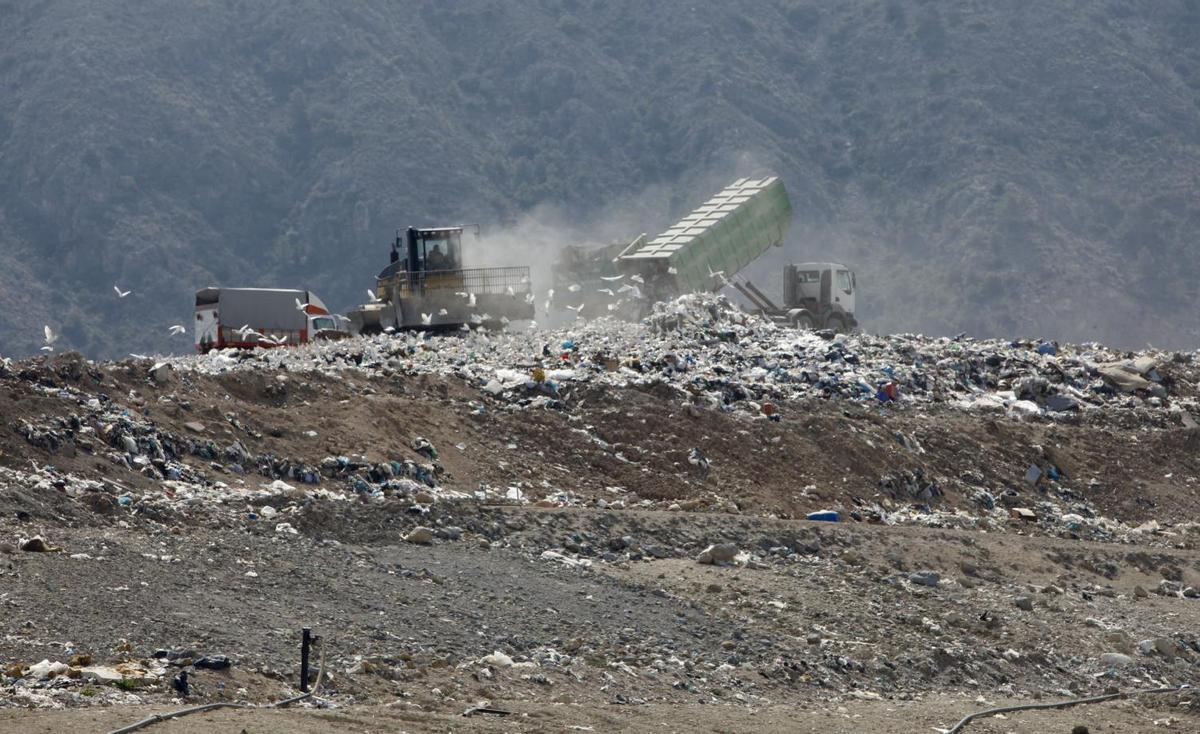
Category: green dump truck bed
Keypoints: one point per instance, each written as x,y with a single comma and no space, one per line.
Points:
723,235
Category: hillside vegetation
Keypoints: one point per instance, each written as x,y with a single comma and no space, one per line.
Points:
1016,168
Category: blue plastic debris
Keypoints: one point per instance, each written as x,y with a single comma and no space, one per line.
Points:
824,516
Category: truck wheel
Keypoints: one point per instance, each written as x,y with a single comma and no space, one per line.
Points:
803,321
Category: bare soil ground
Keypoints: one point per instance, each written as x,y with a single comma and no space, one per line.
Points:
611,622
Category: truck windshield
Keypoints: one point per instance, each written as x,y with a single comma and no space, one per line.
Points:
844,280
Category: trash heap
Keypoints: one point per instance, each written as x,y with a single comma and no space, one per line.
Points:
714,354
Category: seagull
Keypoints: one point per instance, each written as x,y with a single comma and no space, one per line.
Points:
612,277
476,318
392,329
371,295
626,288
528,298
511,292
673,270
613,306
576,309
138,356
299,306
550,295
121,293
465,327
524,279
471,300
546,306
51,337
177,329
716,273
426,319
608,291
443,312
574,287
637,279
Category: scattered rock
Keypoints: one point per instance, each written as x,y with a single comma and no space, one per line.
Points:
497,660
1024,603
718,554
420,536
924,578
37,544
1115,660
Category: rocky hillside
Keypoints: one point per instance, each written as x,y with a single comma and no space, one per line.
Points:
1017,168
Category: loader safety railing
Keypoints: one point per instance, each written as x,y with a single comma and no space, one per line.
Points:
471,280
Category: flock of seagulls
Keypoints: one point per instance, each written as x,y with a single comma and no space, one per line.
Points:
50,337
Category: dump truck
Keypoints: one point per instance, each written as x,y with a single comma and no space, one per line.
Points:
815,296
707,250
425,287
249,318
714,242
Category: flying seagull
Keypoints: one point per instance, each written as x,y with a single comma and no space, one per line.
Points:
673,270
716,273
426,319
177,329
608,291
637,279
611,277
51,337
299,306
121,293
511,292
443,312
528,298
371,295
574,287
576,309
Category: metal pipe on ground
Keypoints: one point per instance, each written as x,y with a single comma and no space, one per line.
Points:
962,724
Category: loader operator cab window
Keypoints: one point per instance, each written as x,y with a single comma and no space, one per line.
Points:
440,250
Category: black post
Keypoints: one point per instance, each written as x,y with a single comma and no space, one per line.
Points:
305,642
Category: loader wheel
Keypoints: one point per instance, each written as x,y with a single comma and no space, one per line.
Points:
837,323
803,321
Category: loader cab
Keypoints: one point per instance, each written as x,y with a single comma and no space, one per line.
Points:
428,250
820,286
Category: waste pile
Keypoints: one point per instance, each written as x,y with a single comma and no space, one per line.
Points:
712,353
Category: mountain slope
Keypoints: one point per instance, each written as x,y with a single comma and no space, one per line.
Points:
1018,168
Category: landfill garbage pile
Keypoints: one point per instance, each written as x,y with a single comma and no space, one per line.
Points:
712,353
704,506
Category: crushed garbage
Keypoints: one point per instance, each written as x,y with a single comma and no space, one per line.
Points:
714,354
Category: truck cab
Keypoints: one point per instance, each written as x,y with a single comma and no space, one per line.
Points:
820,296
